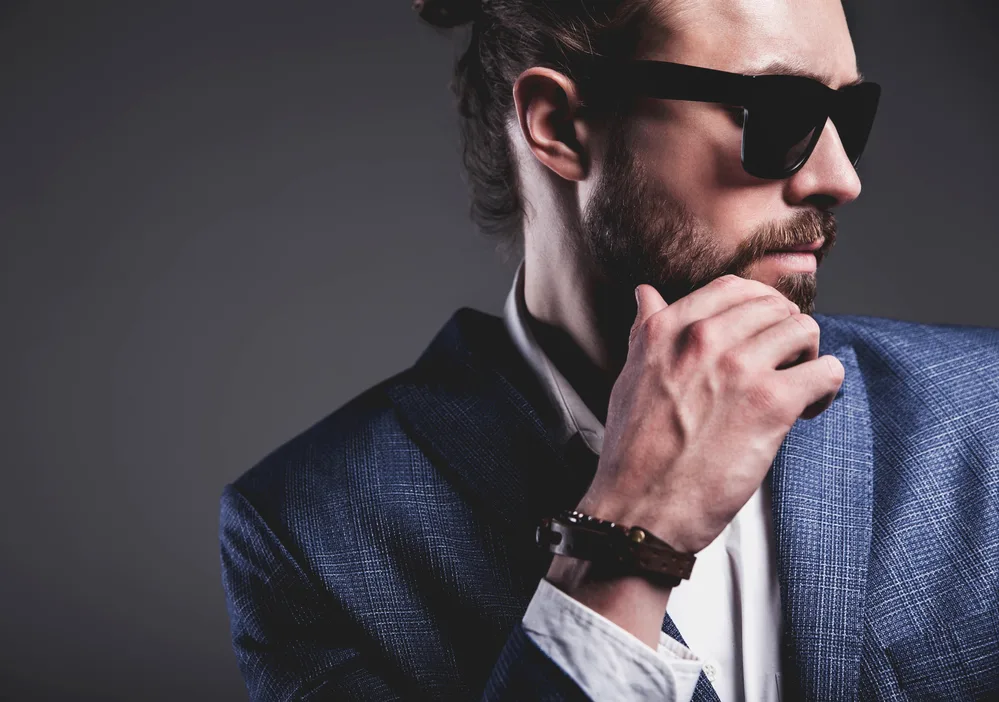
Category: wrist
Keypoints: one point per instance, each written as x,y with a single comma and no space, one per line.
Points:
632,602
660,523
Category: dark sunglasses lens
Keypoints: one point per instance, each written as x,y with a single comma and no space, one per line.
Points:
776,139
855,117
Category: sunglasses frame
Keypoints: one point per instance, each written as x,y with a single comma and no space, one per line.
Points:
677,81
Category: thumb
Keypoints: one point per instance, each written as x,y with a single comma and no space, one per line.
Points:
649,302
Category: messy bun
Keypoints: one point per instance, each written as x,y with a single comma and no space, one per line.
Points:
447,13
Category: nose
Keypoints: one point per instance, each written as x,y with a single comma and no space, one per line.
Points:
827,178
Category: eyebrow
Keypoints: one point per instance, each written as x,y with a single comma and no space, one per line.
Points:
783,68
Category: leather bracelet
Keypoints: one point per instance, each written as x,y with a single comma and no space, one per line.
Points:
617,549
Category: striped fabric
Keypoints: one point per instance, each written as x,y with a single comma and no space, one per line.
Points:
386,553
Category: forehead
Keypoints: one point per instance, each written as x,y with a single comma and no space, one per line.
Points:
757,36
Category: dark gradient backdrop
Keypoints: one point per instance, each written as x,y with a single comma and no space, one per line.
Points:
221,220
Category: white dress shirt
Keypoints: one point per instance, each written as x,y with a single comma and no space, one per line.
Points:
728,612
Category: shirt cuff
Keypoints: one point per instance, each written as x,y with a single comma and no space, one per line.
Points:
606,661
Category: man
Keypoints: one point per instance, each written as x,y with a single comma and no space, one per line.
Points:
811,502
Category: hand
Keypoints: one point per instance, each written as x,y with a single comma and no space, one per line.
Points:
711,386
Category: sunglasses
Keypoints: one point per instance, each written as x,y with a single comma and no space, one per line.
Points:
782,115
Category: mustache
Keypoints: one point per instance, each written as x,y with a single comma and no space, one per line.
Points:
803,228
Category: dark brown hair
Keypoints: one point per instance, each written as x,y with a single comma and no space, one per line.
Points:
507,37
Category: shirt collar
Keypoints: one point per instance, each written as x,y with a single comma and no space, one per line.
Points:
575,417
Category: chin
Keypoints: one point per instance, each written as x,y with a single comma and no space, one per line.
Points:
799,288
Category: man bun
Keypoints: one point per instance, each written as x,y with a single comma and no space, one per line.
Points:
448,13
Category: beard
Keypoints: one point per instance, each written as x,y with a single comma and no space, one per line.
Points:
634,231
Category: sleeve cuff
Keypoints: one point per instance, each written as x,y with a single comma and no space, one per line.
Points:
606,661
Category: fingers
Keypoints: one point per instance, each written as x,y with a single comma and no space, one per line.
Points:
768,331
792,340
811,387
719,295
805,382
649,302
748,318
716,297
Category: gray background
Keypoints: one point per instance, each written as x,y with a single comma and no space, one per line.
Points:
222,220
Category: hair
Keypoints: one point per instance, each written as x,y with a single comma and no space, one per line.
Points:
508,37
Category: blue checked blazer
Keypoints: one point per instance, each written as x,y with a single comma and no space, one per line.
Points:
387,552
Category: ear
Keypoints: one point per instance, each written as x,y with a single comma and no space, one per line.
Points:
548,106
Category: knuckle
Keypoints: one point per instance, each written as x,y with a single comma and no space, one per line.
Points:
746,285
734,364
775,301
760,287
808,325
649,333
700,336
727,280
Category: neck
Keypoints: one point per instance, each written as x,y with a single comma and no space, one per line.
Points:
580,322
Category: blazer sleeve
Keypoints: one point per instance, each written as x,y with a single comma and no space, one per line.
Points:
293,642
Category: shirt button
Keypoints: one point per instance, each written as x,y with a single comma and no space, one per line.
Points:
710,671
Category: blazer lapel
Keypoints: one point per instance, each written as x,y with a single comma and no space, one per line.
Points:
474,406
822,484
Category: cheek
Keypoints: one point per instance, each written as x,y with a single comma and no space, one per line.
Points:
693,151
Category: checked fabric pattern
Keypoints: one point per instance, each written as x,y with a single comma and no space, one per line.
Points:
386,552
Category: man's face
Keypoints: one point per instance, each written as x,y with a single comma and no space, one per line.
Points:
672,206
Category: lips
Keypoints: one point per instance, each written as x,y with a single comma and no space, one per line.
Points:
810,247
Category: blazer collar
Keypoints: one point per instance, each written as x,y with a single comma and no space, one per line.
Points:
477,409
